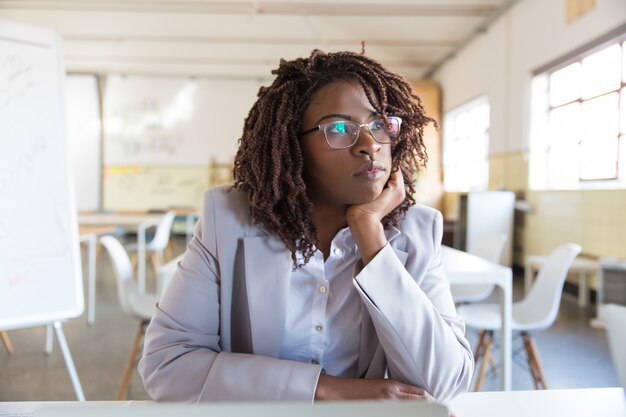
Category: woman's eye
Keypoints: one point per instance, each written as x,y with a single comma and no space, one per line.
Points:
377,125
338,128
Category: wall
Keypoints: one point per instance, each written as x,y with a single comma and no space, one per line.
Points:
429,189
500,63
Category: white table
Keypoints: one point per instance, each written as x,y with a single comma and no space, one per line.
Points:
584,267
142,221
586,402
604,402
465,269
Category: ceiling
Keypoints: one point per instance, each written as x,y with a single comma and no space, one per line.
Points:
246,39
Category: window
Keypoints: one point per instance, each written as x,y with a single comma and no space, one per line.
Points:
466,147
578,122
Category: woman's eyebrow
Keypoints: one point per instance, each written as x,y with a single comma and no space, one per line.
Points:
340,116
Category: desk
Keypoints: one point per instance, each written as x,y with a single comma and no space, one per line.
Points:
584,267
142,221
465,269
587,402
605,402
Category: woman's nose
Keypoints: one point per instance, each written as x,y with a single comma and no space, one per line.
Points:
366,144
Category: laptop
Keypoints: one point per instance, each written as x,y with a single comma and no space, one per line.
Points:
244,409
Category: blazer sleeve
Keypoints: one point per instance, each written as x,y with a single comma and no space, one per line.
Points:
182,359
415,318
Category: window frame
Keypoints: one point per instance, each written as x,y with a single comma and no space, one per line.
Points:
540,139
454,113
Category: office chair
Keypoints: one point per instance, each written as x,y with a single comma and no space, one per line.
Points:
158,244
134,303
490,248
537,311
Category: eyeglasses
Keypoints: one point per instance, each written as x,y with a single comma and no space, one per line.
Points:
344,133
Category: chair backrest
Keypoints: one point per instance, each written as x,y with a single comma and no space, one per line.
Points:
162,234
489,247
614,316
123,271
541,305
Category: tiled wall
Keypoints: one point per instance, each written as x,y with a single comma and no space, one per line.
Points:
594,219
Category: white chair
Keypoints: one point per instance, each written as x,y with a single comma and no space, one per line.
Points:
535,312
159,242
166,273
133,302
490,248
614,316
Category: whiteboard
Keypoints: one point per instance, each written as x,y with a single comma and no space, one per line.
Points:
40,272
173,121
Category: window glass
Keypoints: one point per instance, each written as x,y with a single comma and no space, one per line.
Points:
564,125
601,72
600,116
621,172
624,62
466,147
565,85
622,110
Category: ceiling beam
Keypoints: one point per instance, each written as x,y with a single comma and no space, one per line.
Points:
433,9
122,38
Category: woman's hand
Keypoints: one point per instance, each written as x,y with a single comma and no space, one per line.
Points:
333,388
364,219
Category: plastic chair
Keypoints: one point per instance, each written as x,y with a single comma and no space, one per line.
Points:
133,302
158,243
614,316
490,248
534,313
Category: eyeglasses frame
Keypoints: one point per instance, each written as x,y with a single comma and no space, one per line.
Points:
358,132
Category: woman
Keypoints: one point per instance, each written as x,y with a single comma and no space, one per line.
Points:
317,275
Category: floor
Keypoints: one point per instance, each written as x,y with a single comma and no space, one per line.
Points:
574,355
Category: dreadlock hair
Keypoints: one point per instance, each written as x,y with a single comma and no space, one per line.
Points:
269,161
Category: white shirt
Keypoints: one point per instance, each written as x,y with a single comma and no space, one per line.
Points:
324,310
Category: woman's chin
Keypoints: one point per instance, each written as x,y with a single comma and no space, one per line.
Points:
367,196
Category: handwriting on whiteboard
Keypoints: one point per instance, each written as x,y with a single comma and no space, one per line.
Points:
15,79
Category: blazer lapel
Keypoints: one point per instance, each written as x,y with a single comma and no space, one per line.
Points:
268,270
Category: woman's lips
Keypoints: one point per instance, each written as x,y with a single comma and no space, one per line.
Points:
371,171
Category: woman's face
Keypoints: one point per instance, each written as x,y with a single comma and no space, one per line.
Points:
342,177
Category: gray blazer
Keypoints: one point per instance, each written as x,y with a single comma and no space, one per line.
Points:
217,330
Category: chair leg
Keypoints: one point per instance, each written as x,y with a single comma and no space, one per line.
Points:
6,342
132,361
156,262
486,356
169,250
134,260
534,363
479,351
481,341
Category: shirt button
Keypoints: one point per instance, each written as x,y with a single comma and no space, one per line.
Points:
319,328
322,289
315,361
337,251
